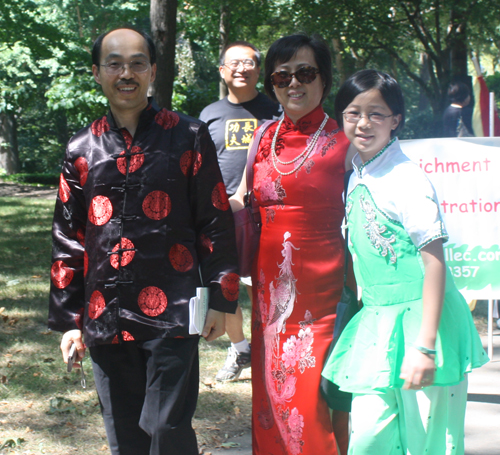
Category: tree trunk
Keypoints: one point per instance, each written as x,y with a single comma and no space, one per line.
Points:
423,101
9,158
458,47
163,15
223,40
339,64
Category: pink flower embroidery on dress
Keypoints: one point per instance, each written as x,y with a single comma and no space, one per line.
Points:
308,166
270,191
322,141
299,350
279,371
330,143
270,214
296,424
326,141
291,352
261,304
280,374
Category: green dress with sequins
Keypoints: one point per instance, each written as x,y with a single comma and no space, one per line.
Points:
390,271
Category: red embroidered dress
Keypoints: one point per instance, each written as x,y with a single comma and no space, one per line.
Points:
297,280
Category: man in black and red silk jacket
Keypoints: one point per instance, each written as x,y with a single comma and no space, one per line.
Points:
141,212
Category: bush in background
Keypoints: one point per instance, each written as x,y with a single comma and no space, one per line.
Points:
50,179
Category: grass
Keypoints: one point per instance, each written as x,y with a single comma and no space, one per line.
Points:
43,409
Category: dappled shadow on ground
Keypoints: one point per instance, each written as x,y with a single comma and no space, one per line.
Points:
224,411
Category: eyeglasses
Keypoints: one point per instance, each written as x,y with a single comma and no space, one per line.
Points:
136,66
374,117
304,75
247,63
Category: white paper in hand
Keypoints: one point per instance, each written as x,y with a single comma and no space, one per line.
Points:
198,307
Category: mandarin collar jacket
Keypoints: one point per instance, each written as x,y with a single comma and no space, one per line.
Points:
137,220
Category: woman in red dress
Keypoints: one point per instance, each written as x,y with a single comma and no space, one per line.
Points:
298,272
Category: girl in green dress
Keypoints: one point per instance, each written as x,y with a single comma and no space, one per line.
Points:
406,354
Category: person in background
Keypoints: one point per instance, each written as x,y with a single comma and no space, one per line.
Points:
298,183
406,354
457,117
141,212
232,122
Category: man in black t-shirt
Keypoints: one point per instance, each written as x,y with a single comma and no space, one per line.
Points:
232,122
233,119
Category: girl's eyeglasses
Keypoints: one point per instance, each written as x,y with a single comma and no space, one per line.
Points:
304,75
355,117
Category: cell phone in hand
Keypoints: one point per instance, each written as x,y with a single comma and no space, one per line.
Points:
73,354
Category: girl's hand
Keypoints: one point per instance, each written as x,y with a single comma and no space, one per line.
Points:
417,370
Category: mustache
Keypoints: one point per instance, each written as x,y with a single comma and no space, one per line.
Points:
126,82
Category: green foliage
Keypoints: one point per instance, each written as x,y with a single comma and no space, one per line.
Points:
420,124
35,178
192,98
393,36
45,46
45,76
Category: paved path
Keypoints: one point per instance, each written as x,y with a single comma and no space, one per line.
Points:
482,420
16,190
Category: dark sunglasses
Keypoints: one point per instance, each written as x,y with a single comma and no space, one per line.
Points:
304,75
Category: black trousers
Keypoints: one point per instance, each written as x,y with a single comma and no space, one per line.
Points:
148,392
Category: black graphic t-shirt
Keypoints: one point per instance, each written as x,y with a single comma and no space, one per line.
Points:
231,127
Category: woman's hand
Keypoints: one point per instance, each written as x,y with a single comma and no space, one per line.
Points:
417,370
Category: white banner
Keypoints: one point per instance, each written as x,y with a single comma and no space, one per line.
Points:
466,175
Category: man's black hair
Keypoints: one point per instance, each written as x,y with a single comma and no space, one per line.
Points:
283,50
222,57
365,80
96,49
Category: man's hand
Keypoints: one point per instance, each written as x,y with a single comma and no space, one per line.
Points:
215,325
70,337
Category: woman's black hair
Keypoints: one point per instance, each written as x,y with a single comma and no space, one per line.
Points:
96,49
458,92
283,50
365,80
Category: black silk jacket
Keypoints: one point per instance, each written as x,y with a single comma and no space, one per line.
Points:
136,220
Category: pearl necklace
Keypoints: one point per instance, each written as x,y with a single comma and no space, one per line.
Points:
304,155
